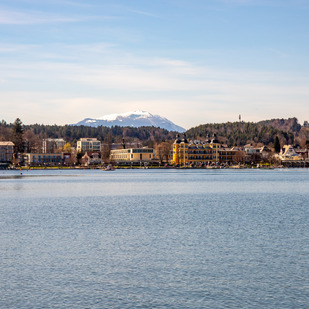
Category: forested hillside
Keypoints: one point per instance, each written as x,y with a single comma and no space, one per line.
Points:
289,131
72,133
286,125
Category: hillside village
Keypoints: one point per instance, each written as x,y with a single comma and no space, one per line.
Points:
268,143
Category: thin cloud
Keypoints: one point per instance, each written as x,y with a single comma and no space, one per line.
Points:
19,18
76,4
267,3
10,17
138,12
15,48
144,13
115,82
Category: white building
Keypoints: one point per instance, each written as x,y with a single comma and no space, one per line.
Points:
252,150
92,158
88,144
288,153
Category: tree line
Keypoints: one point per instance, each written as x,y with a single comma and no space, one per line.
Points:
32,135
288,131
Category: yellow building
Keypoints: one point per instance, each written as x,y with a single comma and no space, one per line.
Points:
196,152
132,155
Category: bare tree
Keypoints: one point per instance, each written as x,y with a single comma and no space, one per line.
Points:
33,142
107,147
272,159
239,157
163,151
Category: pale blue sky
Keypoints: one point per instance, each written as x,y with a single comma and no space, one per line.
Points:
192,61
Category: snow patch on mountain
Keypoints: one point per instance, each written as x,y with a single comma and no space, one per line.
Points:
131,119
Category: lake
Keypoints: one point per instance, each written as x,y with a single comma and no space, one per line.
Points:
154,239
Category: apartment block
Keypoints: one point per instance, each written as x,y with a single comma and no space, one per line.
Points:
88,144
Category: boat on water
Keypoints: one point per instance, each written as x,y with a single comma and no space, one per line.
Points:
109,168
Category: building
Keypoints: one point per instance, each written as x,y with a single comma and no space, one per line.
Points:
304,153
252,150
288,153
68,159
92,158
88,144
187,153
50,145
132,155
6,151
43,158
256,154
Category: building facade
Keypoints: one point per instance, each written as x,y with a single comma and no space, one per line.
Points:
132,155
50,145
6,151
88,144
288,153
188,153
92,158
43,158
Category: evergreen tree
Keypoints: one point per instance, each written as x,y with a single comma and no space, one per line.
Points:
17,136
79,156
277,145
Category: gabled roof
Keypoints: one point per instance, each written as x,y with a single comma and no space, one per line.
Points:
91,153
6,143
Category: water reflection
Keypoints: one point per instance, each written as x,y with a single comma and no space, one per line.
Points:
154,239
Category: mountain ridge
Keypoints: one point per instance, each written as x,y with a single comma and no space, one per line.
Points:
131,119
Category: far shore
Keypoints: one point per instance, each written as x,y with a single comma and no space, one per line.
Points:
267,167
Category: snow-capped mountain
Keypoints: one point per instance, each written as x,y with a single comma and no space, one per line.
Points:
131,119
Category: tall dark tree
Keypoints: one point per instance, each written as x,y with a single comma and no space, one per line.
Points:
79,156
277,145
18,136
5,131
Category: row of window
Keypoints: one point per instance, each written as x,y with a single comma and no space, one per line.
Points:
46,159
200,152
208,152
120,157
200,157
142,150
138,150
49,157
125,157
114,152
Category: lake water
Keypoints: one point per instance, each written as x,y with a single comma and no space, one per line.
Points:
154,239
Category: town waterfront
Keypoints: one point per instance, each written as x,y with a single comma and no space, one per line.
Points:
154,238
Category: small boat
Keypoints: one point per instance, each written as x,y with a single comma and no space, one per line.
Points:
109,168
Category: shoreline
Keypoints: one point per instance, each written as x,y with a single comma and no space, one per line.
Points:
234,167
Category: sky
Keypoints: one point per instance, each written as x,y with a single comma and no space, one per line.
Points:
191,61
